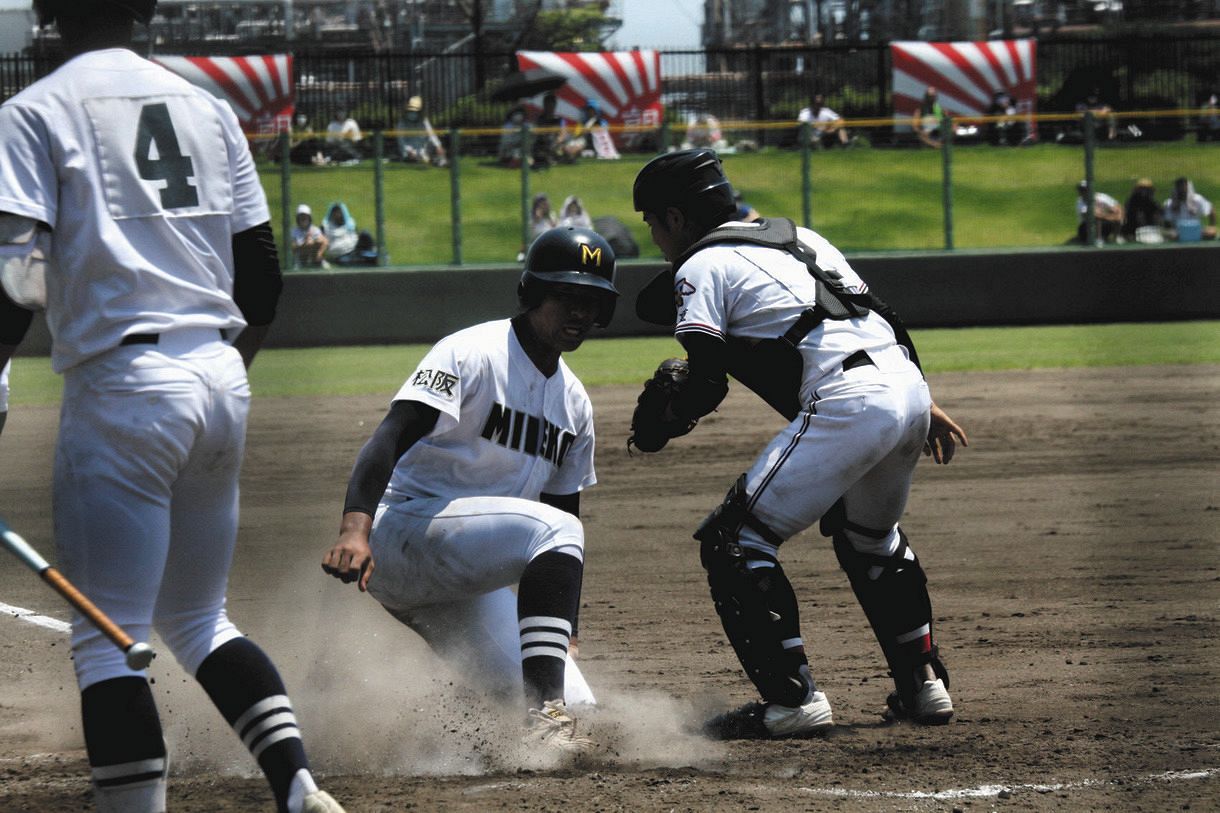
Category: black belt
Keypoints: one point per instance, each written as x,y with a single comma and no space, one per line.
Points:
857,359
151,338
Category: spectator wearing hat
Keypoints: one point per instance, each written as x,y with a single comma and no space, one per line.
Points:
308,242
1142,215
417,141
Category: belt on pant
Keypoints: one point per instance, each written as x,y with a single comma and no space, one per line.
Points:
857,359
149,338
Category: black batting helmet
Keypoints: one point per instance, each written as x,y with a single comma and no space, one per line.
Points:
139,10
692,181
567,255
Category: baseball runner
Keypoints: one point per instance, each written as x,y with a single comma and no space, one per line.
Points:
780,310
471,486
139,191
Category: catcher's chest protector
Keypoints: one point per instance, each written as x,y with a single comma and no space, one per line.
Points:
772,368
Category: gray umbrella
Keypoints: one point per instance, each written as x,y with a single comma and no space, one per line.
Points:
528,83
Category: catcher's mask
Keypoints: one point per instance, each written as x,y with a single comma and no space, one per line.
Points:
692,181
139,10
569,256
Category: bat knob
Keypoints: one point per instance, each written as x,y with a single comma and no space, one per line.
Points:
139,656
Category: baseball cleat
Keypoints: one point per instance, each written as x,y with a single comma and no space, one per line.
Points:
551,726
320,802
771,721
933,706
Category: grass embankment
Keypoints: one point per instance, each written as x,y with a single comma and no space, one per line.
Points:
863,199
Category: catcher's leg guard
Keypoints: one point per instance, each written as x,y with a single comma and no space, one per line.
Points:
755,602
893,591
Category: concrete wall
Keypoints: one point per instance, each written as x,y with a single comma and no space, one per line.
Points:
934,289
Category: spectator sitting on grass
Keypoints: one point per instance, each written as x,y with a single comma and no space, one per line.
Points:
1106,211
417,141
342,137
1187,204
573,213
512,137
1142,215
827,125
308,241
704,131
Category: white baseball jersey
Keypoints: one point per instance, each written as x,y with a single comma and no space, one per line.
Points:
143,178
754,292
505,429
859,432
4,386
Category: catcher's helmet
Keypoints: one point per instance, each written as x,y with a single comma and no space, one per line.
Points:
692,181
139,10
567,255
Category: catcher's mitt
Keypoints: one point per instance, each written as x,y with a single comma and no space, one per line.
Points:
653,423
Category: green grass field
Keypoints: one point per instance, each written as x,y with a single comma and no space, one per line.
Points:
863,199
382,369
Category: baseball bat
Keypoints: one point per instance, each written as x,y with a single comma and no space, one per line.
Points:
139,654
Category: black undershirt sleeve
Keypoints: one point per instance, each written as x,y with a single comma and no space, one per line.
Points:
708,382
900,329
14,320
257,281
564,502
403,425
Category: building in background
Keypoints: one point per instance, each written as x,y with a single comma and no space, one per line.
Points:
732,23
382,26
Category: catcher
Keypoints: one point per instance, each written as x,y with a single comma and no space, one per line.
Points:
780,310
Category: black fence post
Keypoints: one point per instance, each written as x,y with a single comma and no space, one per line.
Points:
455,191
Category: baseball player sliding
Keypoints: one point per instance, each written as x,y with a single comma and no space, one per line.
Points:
780,310
140,190
471,486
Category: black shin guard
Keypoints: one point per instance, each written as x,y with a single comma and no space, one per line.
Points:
547,601
122,733
755,602
893,592
247,689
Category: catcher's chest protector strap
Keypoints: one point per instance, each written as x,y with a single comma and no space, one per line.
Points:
832,299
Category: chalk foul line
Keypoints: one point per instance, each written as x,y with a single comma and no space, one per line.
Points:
989,791
31,617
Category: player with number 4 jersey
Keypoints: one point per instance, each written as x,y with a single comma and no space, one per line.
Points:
131,211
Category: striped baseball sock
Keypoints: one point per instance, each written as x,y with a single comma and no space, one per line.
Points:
547,600
247,689
126,750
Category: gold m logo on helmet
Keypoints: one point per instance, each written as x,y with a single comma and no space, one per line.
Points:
588,254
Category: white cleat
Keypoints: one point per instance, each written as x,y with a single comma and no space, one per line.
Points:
771,721
320,802
933,706
813,717
553,728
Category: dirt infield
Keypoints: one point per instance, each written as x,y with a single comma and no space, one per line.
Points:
1075,573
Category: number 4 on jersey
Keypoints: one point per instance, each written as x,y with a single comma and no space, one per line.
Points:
156,132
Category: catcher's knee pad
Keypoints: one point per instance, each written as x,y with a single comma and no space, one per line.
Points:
893,591
756,604
722,527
